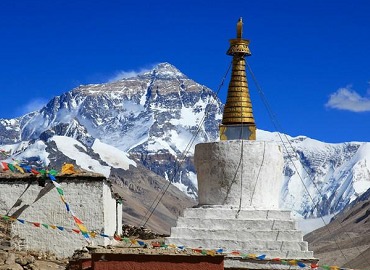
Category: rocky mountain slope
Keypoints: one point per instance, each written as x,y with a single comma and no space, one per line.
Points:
152,117
153,121
345,241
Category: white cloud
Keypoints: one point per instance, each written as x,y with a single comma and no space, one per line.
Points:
347,99
119,75
32,105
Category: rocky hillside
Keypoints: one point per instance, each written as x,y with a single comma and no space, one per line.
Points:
345,241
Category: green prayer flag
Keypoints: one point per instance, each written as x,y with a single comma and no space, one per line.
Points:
11,167
53,172
60,191
46,226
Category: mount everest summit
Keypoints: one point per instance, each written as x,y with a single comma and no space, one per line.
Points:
154,120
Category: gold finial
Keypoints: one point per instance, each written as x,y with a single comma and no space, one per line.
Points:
238,121
239,28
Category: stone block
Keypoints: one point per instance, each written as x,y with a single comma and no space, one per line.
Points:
229,212
238,224
241,235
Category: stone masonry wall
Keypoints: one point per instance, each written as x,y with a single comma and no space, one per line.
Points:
88,199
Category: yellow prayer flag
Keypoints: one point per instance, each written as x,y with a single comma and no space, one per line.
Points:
211,252
19,168
82,228
68,169
133,241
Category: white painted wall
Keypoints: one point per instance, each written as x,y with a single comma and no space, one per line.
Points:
239,173
90,200
112,214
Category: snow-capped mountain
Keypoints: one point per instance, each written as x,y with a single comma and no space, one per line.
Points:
153,117
155,120
321,178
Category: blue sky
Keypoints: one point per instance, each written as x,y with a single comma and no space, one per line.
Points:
310,57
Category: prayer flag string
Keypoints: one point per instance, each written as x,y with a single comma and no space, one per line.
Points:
208,252
51,174
15,167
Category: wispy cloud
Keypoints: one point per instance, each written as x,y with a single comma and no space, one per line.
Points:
347,99
119,75
32,105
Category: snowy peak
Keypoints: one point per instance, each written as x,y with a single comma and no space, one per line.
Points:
148,120
164,71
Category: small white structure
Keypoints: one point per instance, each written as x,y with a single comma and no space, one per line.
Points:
89,196
239,185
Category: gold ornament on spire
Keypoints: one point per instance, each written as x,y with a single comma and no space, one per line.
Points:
238,121
239,28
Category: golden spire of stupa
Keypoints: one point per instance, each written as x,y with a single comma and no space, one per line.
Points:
238,121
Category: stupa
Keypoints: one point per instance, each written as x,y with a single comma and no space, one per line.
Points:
239,183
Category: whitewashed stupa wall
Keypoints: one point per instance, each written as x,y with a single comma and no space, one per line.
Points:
244,174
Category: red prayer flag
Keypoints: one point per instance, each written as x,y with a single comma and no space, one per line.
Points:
5,166
34,171
117,237
36,224
77,220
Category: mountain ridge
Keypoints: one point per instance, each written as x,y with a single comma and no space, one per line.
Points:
151,118
345,241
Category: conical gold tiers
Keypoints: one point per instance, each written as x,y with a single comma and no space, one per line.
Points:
237,120
238,107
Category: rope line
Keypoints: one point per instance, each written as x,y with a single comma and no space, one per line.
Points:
19,201
259,171
165,187
277,126
241,173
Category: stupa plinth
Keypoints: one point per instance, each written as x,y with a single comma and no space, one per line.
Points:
239,183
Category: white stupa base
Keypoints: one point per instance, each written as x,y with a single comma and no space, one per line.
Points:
239,186
270,232
245,173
